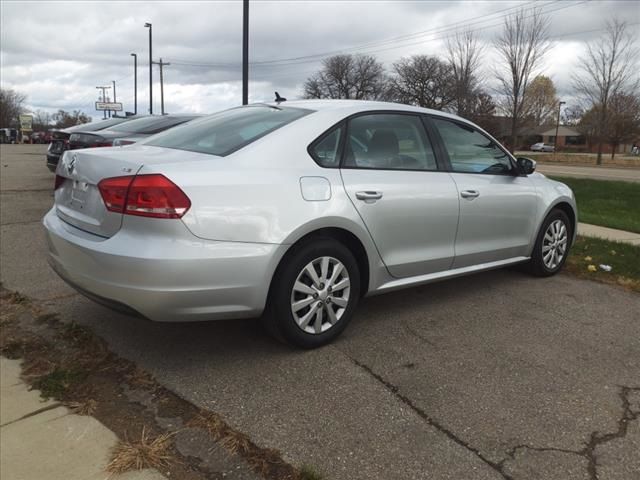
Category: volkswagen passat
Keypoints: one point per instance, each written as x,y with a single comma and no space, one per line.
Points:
297,210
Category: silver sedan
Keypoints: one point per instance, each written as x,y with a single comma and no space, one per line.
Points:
294,211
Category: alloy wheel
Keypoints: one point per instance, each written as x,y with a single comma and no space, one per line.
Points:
320,295
554,244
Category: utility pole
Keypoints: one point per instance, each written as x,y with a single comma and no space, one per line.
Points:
149,26
555,140
114,94
104,96
135,83
162,64
245,52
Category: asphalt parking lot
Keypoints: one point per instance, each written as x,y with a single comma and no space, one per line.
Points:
494,376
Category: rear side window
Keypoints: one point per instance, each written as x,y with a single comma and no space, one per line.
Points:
325,150
388,142
225,132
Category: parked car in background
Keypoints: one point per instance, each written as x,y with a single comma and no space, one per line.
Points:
127,133
542,147
8,135
41,137
296,211
60,138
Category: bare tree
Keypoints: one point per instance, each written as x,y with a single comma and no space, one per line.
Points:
521,46
424,81
572,115
11,106
623,122
66,119
540,104
359,77
609,67
464,55
41,121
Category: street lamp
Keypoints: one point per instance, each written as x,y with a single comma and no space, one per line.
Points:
555,140
148,25
135,83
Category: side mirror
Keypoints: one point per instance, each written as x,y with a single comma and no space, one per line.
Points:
526,165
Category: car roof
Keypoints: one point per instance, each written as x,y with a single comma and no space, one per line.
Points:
355,106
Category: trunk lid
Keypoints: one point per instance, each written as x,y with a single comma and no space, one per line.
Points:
78,200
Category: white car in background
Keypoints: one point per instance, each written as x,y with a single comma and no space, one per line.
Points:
542,147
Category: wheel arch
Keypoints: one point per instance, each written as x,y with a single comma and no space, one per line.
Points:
566,206
347,237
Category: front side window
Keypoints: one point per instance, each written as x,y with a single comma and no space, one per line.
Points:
388,142
225,132
470,151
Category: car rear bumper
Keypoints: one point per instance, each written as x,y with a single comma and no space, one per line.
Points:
164,278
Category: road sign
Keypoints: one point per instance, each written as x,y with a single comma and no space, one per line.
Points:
113,106
26,122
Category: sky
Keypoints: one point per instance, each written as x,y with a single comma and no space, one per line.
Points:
58,52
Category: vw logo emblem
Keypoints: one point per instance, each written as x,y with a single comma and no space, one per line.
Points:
72,164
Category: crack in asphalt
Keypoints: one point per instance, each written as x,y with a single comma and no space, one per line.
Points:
26,222
595,439
497,467
26,190
588,452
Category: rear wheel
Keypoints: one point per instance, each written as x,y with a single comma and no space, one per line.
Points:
314,293
552,245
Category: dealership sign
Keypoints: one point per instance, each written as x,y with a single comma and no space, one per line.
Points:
113,106
26,122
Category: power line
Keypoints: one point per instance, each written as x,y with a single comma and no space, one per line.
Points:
403,38
279,73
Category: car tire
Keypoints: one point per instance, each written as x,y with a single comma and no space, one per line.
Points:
552,245
293,287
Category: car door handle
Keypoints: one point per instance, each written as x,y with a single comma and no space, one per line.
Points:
469,193
369,195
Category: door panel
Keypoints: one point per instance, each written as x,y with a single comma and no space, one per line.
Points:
414,223
497,205
498,223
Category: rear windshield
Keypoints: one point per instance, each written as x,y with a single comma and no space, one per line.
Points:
95,126
225,132
151,125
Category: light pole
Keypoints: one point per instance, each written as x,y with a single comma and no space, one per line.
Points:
555,140
245,52
135,83
149,26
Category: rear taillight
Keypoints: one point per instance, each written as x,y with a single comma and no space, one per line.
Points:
151,195
114,192
59,181
105,143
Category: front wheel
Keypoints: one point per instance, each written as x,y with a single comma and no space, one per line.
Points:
314,293
552,245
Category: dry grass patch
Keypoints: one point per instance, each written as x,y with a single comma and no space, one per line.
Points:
85,407
147,452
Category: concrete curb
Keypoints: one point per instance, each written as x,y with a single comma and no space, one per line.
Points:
608,234
42,439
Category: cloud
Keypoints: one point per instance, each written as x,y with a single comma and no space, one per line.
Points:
58,52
